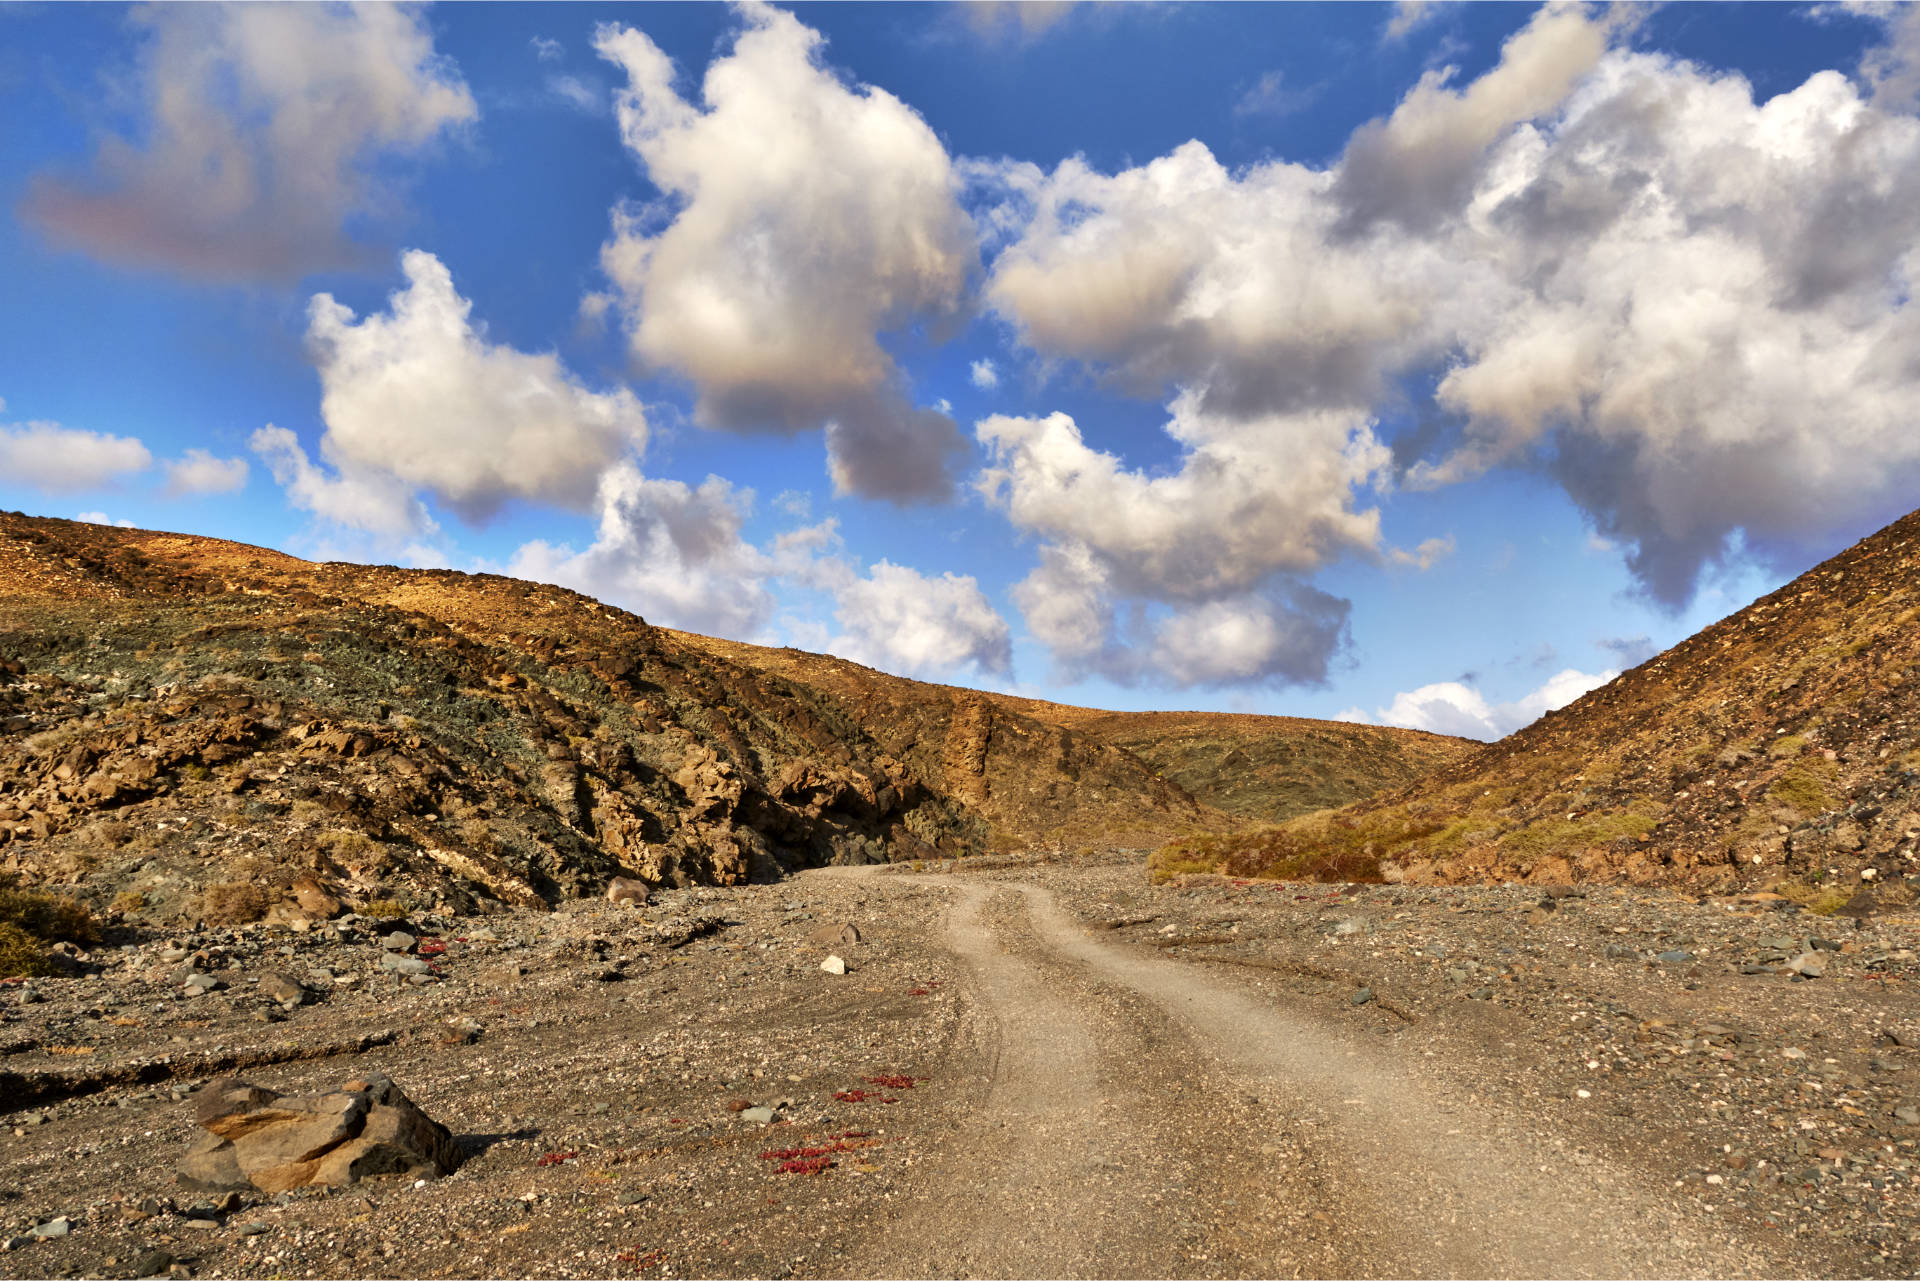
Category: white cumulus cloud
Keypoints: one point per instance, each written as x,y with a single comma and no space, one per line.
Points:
55,459
669,551
199,472
1688,306
983,375
809,217
676,555
904,621
371,501
1454,707
1224,542
264,126
416,398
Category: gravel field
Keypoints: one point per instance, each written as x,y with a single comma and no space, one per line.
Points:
1031,1067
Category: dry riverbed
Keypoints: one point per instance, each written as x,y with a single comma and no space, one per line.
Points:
1044,1068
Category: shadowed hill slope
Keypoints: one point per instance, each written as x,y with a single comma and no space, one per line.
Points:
1781,744
206,727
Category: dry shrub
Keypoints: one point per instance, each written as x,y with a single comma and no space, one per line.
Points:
348,845
21,954
45,916
1324,846
233,903
31,919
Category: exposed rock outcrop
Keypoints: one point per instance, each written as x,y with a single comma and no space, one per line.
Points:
260,1139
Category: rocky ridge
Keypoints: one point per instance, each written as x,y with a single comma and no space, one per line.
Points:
1780,745
193,729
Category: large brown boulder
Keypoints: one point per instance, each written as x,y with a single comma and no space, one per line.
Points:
258,1138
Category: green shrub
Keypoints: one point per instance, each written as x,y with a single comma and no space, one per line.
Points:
387,909
1803,791
1548,837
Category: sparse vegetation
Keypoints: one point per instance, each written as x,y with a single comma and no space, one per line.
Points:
233,903
1553,836
1802,790
30,920
349,845
1821,900
1325,846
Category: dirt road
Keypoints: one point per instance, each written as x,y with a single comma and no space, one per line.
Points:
1102,1148
1031,1069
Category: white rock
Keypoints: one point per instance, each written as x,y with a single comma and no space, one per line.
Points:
834,965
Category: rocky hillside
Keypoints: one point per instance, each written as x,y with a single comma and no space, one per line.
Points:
1779,746
197,728
1265,768
1260,768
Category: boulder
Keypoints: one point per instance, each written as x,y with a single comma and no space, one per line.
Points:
283,988
314,899
834,935
625,889
258,1138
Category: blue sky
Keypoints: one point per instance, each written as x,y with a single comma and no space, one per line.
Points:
1423,364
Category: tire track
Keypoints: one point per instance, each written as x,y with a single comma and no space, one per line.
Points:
1468,1191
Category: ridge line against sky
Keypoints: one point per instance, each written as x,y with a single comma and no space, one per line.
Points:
1415,364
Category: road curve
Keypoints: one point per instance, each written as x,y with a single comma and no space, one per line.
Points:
1146,1118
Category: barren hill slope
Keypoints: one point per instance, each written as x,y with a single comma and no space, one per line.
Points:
208,727
1781,744
1262,768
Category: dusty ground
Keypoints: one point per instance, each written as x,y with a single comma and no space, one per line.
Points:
1106,1079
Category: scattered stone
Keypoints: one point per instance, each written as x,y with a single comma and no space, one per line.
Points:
1361,997
1807,965
53,1229
314,900
283,988
834,936
394,963
461,1031
632,1196
399,941
762,1115
1675,956
259,1138
625,889
834,965
255,1229
152,1263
